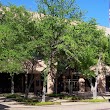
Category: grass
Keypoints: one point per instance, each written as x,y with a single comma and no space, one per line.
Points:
94,100
35,102
44,103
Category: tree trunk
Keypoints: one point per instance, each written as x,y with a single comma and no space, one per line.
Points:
44,86
96,73
12,84
26,85
43,93
51,75
91,85
95,90
30,82
56,85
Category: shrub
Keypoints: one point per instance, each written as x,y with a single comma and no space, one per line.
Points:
12,96
71,98
55,95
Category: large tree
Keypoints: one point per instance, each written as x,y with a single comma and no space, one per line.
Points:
52,27
92,48
87,46
16,36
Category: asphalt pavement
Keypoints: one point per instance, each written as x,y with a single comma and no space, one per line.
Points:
6,104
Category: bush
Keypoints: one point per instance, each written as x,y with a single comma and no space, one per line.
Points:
12,96
66,97
19,98
26,100
55,95
35,102
72,98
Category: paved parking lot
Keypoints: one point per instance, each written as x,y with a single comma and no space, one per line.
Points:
11,105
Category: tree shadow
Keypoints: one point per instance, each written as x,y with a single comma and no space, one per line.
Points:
3,99
104,109
4,107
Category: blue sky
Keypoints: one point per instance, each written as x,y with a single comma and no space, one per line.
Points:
97,9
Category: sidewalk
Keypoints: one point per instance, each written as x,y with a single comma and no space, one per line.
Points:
75,103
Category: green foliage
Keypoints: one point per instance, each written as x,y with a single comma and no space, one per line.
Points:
82,46
55,95
16,38
50,29
66,97
60,8
106,55
72,44
14,96
90,43
19,98
72,98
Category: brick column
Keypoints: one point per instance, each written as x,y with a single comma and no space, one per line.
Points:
101,83
50,84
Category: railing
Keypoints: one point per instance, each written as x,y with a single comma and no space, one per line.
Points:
72,85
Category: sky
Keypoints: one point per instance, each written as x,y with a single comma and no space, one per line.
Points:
97,9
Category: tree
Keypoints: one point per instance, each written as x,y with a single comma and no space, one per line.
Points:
53,26
92,47
8,56
16,36
83,45
55,38
49,34
60,8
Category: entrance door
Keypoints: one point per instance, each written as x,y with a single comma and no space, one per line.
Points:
72,85
108,83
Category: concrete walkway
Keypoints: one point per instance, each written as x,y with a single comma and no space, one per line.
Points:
6,104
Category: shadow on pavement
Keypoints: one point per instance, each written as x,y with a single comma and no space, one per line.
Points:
3,99
4,107
104,109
